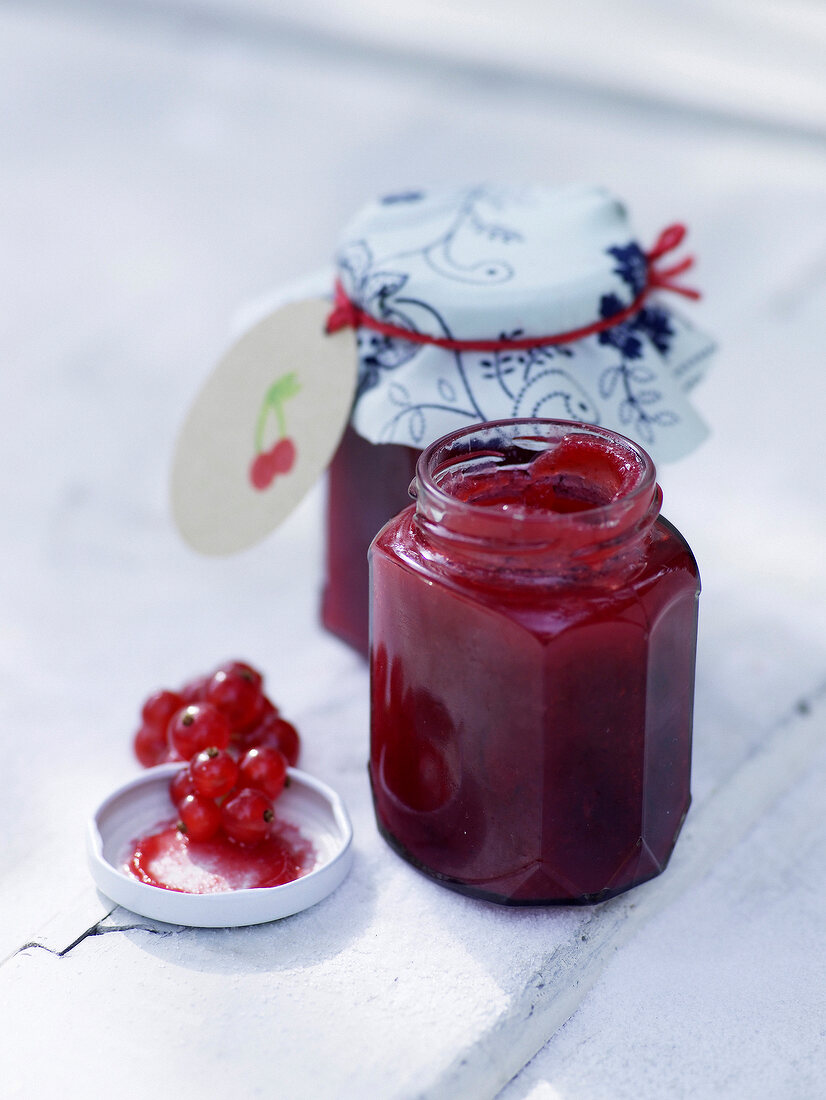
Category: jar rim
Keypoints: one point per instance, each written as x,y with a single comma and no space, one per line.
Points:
434,499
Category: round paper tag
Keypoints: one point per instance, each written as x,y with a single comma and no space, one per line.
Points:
263,429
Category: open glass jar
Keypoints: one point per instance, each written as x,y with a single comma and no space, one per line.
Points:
533,635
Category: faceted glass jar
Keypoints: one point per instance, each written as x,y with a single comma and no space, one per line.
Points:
533,636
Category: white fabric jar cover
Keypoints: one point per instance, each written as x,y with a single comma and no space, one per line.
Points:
507,279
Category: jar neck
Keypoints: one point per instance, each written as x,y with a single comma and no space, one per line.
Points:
535,497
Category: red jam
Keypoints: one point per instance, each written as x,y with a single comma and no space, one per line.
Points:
168,859
533,639
367,484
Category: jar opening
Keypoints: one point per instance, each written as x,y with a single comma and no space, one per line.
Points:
537,482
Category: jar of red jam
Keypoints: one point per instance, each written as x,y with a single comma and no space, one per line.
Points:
482,303
533,636
367,483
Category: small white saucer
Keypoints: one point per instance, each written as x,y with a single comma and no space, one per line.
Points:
131,810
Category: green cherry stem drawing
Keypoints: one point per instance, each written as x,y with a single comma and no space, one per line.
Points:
280,391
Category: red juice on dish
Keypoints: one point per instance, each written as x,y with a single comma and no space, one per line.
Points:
533,636
168,859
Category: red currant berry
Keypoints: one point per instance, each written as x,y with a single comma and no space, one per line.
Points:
194,691
159,708
247,816
214,772
200,817
276,733
283,455
150,746
246,670
267,708
244,738
236,694
197,727
264,769
181,785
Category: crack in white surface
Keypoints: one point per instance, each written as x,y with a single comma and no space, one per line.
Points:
99,928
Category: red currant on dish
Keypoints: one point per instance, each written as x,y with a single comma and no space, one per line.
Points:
159,708
194,691
200,817
245,669
181,785
244,736
276,733
214,772
264,769
236,693
196,727
247,816
150,746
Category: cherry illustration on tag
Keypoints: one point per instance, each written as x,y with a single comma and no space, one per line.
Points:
263,429
280,457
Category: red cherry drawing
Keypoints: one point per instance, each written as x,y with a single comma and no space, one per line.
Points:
283,455
262,470
280,458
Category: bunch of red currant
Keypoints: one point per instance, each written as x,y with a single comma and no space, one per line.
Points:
237,745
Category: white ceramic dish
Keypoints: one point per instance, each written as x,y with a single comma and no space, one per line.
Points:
139,805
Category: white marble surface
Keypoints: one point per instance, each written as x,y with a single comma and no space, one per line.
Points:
160,167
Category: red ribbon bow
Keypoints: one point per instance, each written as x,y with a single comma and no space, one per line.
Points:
346,314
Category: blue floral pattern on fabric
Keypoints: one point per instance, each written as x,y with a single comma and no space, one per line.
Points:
411,392
632,266
655,323
640,405
373,291
622,335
